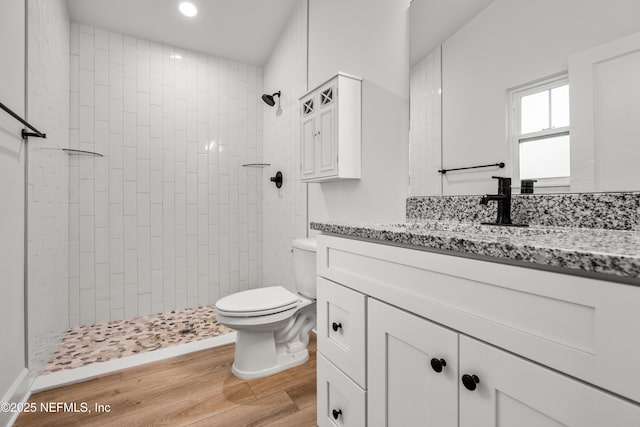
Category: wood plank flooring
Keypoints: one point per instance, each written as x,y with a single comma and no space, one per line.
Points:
197,389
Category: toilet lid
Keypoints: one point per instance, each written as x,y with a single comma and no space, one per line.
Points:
258,300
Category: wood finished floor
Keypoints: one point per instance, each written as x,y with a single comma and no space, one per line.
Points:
197,389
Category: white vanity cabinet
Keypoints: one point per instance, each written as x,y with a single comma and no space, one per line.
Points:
454,341
331,134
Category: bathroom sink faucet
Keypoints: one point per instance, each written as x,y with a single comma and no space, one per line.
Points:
503,199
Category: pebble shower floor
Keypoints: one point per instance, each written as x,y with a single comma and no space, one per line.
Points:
113,340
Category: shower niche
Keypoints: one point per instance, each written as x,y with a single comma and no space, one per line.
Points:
331,127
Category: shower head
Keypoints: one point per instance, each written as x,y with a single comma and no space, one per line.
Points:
268,99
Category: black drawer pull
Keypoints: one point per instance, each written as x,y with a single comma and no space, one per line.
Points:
336,414
336,326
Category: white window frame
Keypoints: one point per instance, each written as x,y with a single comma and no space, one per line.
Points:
544,185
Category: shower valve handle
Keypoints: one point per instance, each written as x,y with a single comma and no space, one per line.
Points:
277,179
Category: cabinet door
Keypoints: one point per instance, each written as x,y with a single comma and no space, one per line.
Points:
327,133
340,401
309,134
308,152
512,391
404,388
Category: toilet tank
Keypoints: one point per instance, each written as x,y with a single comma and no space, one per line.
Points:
304,266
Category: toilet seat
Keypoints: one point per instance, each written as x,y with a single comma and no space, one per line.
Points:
258,302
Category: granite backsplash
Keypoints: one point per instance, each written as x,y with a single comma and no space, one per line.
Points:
613,211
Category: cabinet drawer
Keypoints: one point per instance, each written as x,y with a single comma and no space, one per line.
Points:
515,392
340,401
584,327
341,328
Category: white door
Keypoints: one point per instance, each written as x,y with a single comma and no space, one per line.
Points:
511,391
327,137
412,370
309,133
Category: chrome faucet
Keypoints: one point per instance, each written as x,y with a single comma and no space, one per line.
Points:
503,199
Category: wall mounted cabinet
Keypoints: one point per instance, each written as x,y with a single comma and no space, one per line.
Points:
331,130
458,342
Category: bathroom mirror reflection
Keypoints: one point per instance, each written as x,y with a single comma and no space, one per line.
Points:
549,88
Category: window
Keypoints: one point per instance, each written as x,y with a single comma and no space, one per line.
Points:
540,137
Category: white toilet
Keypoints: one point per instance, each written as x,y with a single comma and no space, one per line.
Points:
273,323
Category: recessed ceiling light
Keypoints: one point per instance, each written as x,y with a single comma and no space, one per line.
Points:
188,9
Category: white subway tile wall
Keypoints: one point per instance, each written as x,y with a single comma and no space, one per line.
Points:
48,179
425,134
168,219
285,209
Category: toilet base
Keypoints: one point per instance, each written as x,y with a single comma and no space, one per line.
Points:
285,361
262,353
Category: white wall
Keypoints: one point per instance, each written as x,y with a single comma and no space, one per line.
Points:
425,130
168,219
48,179
12,192
368,38
433,21
510,43
285,209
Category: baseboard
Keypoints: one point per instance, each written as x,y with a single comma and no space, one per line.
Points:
72,376
17,393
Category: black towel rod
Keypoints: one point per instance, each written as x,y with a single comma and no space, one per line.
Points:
25,134
81,152
444,171
256,165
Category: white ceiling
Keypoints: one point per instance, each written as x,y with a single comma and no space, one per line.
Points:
241,30
434,21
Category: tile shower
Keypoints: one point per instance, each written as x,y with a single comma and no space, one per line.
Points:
167,219
168,222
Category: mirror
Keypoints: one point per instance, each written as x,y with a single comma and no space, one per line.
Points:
548,88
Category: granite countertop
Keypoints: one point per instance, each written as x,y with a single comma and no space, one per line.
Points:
607,254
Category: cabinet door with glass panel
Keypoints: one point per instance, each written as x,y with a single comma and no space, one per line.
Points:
540,134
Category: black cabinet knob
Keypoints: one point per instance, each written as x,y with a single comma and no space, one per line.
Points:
470,381
336,414
336,326
438,364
